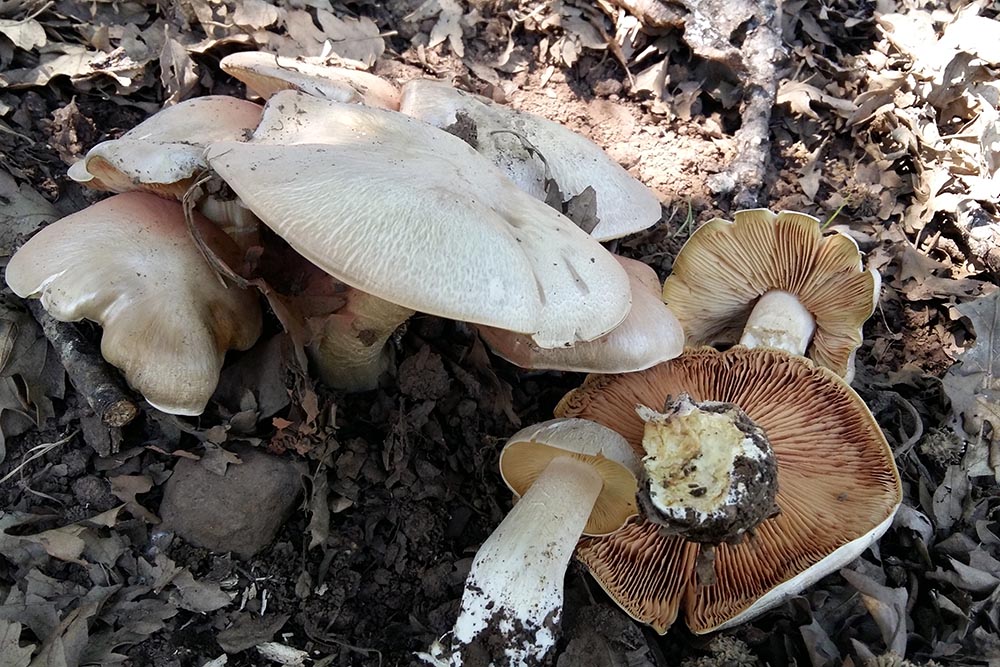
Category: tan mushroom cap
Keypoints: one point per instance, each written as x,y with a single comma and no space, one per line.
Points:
650,334
410,214
265,74
624,205
838,487
129,264
163,152
531,449
725,267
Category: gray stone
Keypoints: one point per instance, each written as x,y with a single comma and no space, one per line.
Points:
240,511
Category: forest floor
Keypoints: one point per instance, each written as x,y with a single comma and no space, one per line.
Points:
885,127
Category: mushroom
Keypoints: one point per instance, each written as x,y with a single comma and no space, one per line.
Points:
266,74
129,264
412,215
780,280
572,477
163,152
838,487
650,334
530,149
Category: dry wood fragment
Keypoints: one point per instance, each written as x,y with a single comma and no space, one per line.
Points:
744,179
92,377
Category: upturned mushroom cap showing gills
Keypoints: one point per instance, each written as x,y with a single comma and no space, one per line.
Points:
838,487
265,74
406,212
801,290
129,264
163,152
650,334
509,139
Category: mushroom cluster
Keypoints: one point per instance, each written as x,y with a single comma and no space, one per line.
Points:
684,478
398,215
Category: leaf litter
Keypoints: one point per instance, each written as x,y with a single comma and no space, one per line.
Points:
886,125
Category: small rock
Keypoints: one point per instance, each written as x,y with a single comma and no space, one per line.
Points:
240,511
93,492
607,87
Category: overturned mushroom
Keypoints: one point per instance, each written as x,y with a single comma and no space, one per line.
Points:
129,264
529,148
572,477
266,74
777,279
650,334
838,487
413,216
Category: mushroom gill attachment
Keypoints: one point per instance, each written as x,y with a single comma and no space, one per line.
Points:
573,477
531,149
129,264
838,487
770,280
265,74
709,472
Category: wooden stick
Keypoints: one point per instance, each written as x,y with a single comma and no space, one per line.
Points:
90,374
761,50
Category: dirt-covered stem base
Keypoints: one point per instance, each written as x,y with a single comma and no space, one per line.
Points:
513,596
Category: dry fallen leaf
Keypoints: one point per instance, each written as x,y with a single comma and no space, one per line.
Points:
26,33
12,654
973,385
886,605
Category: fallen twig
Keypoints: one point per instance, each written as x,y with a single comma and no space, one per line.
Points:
89,373
744,179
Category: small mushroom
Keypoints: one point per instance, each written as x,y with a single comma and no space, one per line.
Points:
650,334
777,279
529,148
266,74
413,216
129,264
572,477
163,152
838,487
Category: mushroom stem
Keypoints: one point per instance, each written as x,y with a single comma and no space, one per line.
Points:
349,347
779,320
513,596
232,217
709,472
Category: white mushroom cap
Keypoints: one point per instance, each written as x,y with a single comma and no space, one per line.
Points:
266,74
650,334
624,205
164,151
129,264
401,210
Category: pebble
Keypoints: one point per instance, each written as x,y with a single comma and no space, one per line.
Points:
240,511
